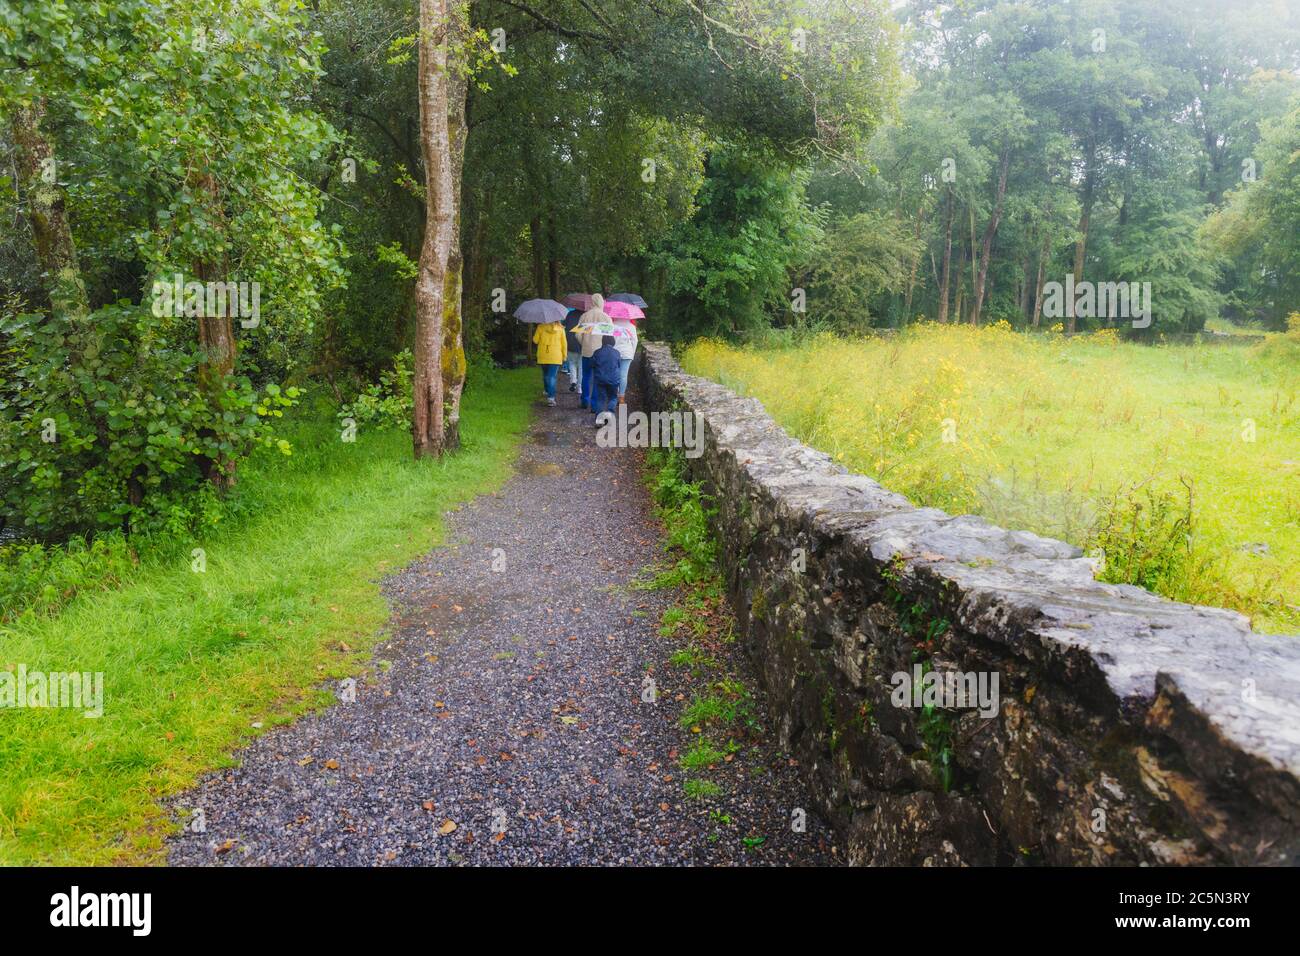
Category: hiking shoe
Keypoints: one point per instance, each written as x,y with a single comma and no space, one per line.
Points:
550,402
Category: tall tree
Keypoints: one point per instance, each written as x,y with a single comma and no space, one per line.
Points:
439,351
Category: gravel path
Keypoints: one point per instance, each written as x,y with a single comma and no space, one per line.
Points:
502,723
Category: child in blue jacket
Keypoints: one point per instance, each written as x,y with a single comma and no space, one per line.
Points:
606,377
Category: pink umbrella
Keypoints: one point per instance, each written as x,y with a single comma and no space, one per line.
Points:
623,310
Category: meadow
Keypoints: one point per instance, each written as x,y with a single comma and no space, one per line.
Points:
1178,466
197,657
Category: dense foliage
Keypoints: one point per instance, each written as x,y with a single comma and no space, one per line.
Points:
270,150
746,165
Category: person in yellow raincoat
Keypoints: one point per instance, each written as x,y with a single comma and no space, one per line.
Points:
552,350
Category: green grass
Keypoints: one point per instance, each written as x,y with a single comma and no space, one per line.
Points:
692,658
290,599
701,756
698,789
1086,439
716,708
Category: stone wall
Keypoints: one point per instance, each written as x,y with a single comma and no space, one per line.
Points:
1129,729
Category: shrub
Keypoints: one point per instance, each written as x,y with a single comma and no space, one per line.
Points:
1283,348
103,425
1147,539
389,403
35,578
689,530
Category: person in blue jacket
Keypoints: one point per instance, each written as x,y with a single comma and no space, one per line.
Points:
606,375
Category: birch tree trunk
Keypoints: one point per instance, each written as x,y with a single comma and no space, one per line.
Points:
439,352
1038,284
916,265
947,261
1085,215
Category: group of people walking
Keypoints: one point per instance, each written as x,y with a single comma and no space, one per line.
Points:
596,352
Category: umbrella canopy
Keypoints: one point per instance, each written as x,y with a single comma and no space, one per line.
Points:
618,309
541,311
631,298
578,300
606,328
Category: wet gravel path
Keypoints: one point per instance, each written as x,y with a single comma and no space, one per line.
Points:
503,722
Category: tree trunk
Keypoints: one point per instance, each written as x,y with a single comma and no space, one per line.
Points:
1038,285
552,256
916,264
1024,298
51,233
947,261
439,354
986,246
1085,219
216,332
539,260
474,302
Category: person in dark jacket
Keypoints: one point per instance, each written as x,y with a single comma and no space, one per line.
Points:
574,364
606,376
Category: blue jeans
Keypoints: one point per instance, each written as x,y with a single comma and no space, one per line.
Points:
588,394
549,372
606,398
623,366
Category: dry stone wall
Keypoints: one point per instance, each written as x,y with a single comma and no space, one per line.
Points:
1127,730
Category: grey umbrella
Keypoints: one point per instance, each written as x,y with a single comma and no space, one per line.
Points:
541,311
631,298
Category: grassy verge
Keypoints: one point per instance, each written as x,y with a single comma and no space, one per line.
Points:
720,708
191,661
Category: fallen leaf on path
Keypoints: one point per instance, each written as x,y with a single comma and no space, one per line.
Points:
448,826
